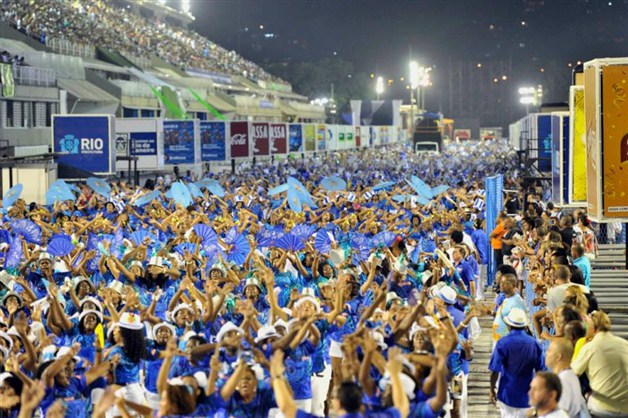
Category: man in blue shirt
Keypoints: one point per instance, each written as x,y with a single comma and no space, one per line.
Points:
515,359
582,262
464,270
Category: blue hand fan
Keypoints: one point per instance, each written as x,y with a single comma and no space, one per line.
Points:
333,184
28,230
322,242
213,186
421,187
195,191
279,189
147,198
268,237
206,233
138,237
294,201
231,236
239,250
360,250
180,194
440,189
117,245
99,186
383,185
60,245
59,191
383,240
303,231
11,196
186,246
290,242
14,255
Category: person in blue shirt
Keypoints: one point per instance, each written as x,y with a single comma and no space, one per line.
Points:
244,395
464,270
582,262
516,358
61,382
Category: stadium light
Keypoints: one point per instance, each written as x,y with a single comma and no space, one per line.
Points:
414,74
527,100
379,86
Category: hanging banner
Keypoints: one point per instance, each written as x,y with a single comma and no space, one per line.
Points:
564,160
556,128
613,141
179,141
143,143
577,148
349,137
358,136
591,90
544,133
373,136
332,139
384,135
309,135
260,139
213,141
278,139
86,142
296,137
321,141
239,140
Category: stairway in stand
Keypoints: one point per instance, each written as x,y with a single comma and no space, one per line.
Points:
479,375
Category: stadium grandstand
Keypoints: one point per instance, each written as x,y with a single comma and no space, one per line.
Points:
132,59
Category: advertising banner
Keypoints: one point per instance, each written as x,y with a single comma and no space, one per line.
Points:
143,143
556,128
296,137
577,148
260,139
278,138
239,139
358,136
494,203
462,134
373,136
321,140
332,140
545,142
384,135
179,142
349,137
309,135
614,141
86,141
564,160
591,129
213,141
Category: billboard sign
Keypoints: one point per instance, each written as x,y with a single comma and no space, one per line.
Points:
213,141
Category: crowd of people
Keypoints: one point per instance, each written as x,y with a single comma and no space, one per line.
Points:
345,285
112,26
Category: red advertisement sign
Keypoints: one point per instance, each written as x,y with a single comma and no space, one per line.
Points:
260,138
358,137
278,138
239,139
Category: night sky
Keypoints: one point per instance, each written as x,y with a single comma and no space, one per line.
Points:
377,36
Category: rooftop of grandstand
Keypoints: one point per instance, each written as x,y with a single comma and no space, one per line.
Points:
96,23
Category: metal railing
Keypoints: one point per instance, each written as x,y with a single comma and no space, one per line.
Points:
65,47
35,76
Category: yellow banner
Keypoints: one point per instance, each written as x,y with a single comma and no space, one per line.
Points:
615,140
6,79
579,149
309,136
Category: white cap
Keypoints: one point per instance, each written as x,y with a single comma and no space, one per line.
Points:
448,295
179,307
65,350
90,311
130,320
311,299
156,261
160,325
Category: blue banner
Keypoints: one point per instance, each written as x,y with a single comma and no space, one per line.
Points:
86,142
494,200
213,142
179,142
544,129
566,155
143,143
556,125
296,137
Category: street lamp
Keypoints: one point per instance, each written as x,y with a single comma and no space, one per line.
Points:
379,86
414,83
530,96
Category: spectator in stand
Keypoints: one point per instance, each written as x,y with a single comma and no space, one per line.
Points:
514,360
567,231
513,233
558,360
604,360
545,392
